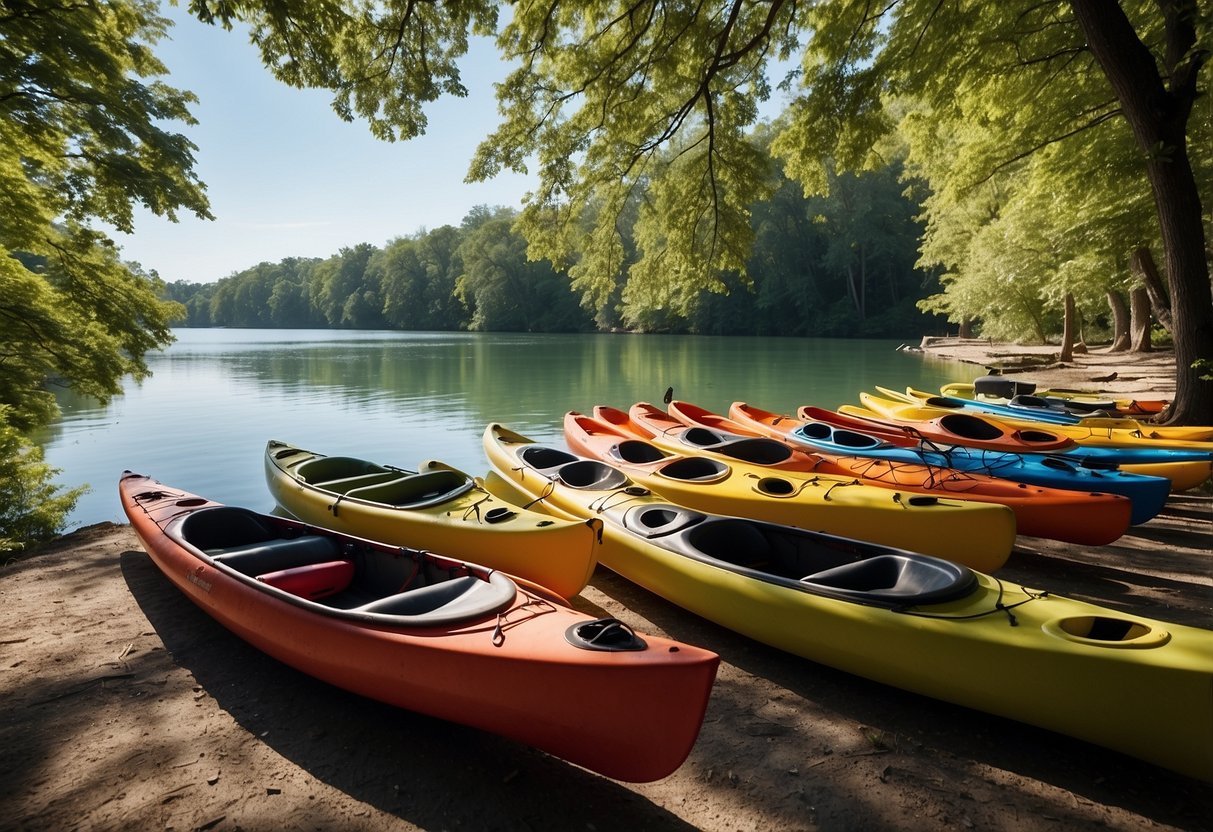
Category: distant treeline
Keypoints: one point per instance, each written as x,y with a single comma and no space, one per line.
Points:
842,266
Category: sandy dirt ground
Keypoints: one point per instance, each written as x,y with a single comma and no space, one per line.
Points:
126,707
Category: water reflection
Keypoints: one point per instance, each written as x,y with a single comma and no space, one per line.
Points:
216,396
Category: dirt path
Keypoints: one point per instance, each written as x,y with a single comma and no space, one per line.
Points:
126,707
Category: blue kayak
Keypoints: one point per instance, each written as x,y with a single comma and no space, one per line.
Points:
1147,493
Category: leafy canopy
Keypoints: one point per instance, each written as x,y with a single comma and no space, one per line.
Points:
83,138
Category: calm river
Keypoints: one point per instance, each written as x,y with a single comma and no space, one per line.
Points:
217,395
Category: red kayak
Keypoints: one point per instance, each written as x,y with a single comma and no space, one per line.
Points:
439,636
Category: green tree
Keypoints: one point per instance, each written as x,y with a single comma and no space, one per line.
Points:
340,291
1025,86
621,103
31,509
417,276
508,292
83,138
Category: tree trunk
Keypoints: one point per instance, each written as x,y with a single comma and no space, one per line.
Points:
1140,326
1067,332
1157,112
1120,322
966,328
1141,263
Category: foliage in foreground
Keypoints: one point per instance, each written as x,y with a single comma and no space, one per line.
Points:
32,508
85,136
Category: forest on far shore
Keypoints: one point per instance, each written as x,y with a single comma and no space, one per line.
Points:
838,266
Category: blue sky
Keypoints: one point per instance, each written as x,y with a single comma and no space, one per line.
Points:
286,177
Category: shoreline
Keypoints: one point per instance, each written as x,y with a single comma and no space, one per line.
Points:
1148,375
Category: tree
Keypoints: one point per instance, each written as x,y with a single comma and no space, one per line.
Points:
506,291
83,137
1030,82
641,103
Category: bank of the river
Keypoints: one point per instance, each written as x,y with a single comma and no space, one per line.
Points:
127,707
1128,375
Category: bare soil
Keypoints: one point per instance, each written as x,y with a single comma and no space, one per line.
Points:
126,707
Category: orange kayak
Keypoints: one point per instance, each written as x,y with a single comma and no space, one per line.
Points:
1088,518
435,635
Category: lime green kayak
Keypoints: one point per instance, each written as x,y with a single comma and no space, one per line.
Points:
1128,683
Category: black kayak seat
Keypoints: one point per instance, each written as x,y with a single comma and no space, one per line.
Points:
446,602
700,437
637,452
591,475
694,469
755,449
897,579
818,432
971,427
947,401
277,555
541,457
659,519
758,450
225,527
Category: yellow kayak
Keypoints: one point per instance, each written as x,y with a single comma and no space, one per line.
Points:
1168,434
1183,473
976,534
437,508
914,622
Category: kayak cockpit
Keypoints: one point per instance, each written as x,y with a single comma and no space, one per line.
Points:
820,432
357,479
757,450
814,562
971,427
343,577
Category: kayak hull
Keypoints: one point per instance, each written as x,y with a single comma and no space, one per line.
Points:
437,508
1057,663
510,670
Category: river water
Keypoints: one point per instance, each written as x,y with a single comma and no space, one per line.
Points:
217,395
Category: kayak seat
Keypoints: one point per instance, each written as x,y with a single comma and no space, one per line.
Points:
591,475
896,580
970,427
694,469
415,490
275,555
542,457
328,468
224,527
820,432
656,520
732,540
757,450
314,581
637,452
448,601
702,437
346,484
